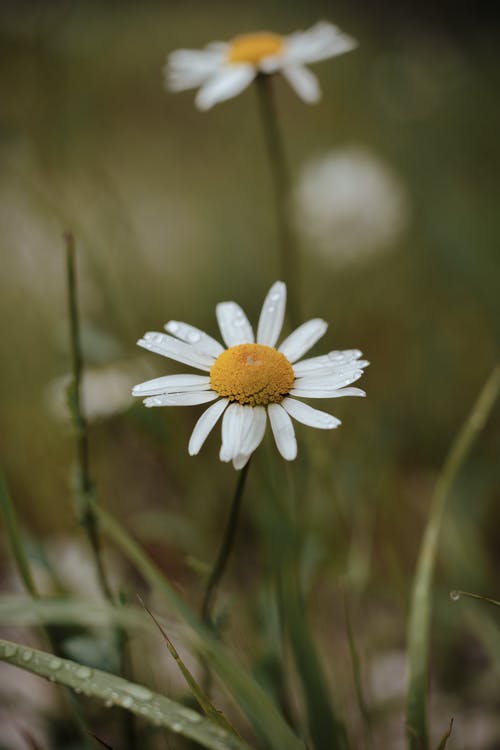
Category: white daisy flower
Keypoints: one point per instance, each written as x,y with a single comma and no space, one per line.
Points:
224,69
251,380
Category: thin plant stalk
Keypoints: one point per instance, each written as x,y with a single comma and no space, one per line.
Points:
88,517
288,255
86,491
420,605
225,548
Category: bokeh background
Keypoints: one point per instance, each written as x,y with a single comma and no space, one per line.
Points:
396,209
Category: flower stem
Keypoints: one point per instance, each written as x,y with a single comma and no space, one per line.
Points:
289,261
225,548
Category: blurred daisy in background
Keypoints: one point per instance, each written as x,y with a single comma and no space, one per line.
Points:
250,380
350,204
224,69
105,391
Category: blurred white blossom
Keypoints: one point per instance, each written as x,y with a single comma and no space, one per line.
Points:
350,204
224,69
105,391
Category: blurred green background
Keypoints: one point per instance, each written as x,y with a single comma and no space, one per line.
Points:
172,212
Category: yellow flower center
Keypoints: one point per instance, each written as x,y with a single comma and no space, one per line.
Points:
252,374
252,48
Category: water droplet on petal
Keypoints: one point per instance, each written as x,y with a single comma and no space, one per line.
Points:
173,327
193,337
275,296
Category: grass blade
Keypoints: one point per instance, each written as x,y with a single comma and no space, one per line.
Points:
199,694
21,610
420,606
457,593
446,736
112,690
14,537
324,727
240,685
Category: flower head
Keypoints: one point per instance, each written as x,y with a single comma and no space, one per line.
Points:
251,380
224,69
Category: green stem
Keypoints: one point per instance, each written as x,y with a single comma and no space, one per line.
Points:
88,517
86,492
420,606
225,548
289,262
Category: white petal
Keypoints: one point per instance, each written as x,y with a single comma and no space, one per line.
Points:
233,324
283,431
254,429
231,432
205,425
190,398
227,82
188,68
172,348
303,82
251,426
327,382
172,384
241,460
338,393
332,370
334,358
302,339
199,340
322,41
272,315
309,416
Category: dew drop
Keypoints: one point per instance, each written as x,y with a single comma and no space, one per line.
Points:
176,726
274,296
83,673
193,336
188,714
455,596
173,327
126,701
271,309
9,650
108,703
27,654
55,663
77,690
139,692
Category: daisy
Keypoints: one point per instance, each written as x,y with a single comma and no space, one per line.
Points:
251,380
224,69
